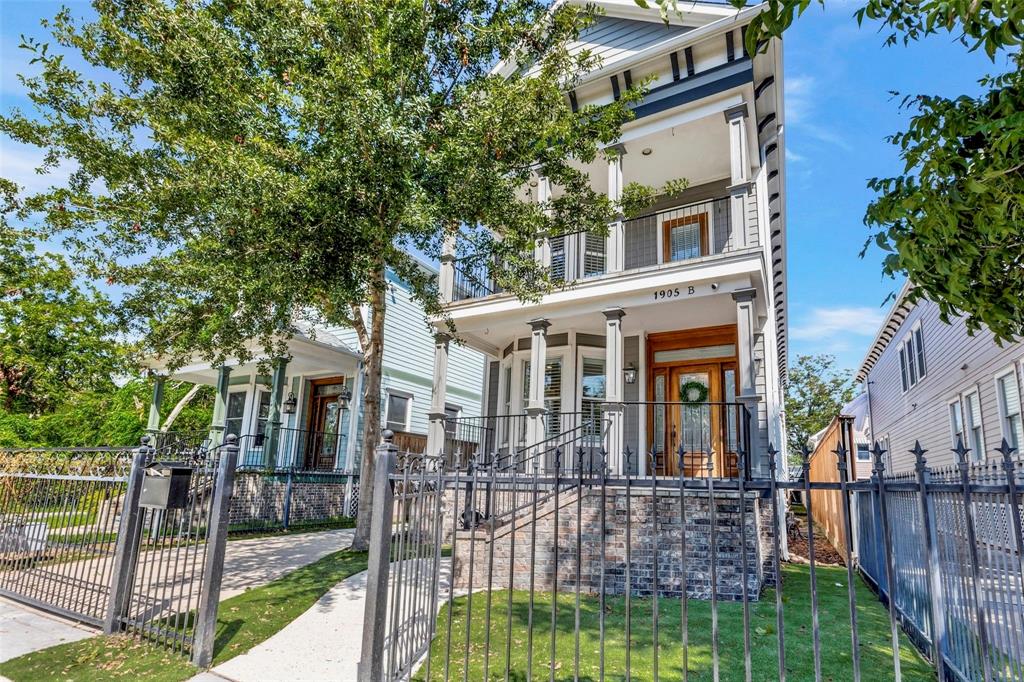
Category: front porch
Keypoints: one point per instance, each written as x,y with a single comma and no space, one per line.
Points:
672,384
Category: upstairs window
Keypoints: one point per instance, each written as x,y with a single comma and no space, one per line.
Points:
1008,395
972,422
912,364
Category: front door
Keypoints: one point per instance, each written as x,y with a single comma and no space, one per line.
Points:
324,422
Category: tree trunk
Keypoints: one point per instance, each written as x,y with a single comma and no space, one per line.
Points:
372,342
185,400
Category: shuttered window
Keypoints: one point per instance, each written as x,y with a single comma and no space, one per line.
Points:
558,259
956,422
1010,409
912,364
593,258
552,392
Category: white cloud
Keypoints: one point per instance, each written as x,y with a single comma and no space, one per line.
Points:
793,157
803,94
833,326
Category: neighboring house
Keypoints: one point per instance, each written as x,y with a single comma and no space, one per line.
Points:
674,325
930,381
319,397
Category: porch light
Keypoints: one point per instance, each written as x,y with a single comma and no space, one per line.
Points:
290,403
630,374
344,396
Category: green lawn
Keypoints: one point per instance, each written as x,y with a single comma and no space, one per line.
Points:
242,623
873,627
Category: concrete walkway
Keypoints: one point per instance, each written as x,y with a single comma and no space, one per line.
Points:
321,645
24,630
247,564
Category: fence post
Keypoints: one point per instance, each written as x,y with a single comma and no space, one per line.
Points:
213,568
371,657
127,542
286,513
931,566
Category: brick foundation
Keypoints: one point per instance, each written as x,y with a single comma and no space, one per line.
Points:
647,542
261,497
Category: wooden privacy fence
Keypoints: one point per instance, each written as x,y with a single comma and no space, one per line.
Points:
827,505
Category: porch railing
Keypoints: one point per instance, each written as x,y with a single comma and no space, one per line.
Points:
297,449
678,234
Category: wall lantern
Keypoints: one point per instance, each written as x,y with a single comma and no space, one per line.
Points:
290,403
630,374
344,396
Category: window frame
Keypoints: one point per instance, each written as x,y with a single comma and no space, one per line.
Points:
978,451
954,407
409,398
911,352
239,419
1004,417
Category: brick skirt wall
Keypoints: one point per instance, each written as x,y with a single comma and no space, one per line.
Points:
647,540
261,497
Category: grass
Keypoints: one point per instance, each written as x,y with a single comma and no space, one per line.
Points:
246,531
242,622
873,628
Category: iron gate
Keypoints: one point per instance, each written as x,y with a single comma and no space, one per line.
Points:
83,535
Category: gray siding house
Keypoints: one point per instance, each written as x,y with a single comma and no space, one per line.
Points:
930,381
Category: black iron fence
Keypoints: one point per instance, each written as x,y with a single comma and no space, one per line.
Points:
602,573
132,540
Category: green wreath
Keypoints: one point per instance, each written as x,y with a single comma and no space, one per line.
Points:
688,387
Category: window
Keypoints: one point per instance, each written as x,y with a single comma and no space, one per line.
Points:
552,392
972,420
956,422
399,407
687,237
451,413
1008,394
262,412
236,409
863,452
912,365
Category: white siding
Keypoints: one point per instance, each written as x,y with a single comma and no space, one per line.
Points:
955,363
409,359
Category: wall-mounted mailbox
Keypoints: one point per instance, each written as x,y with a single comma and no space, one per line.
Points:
165,485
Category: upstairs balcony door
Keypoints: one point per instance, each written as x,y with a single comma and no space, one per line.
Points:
324,425
686,237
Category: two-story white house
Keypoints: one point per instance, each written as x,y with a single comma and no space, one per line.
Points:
674,325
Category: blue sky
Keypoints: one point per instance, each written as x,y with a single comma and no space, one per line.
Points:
838,110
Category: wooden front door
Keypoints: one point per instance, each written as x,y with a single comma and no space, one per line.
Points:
688,419
324,423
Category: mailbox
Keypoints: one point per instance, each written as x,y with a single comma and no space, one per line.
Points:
165,485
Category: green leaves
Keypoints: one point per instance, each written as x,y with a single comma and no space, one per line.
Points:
815,393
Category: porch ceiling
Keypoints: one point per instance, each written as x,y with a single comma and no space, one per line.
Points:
308,357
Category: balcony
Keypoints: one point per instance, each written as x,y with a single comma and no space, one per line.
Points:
679,234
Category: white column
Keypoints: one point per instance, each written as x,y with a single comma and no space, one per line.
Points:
438,393
157,397
739,164
535,409
614,249
613,380
747,390
220,406
446,277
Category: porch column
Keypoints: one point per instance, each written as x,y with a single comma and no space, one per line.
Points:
739,163
438,393
747,368
535,409
272,436
614,245
614,410
155,400
220,406
446,276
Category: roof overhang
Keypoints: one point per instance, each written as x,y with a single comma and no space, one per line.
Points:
893,320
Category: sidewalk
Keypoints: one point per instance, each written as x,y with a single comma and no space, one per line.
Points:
247,564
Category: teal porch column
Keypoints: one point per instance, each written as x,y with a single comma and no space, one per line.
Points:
220,406
155,400
273,433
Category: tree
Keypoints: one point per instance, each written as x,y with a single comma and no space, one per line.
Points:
57,337
951,221
243,164
815,395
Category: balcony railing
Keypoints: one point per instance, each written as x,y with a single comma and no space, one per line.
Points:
678,234
675,235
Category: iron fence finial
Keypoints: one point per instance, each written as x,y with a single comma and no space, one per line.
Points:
628,454
840,453
961,451
772,452
805,457
387,435
682,455
1006,450
877,451
710,462
918,452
